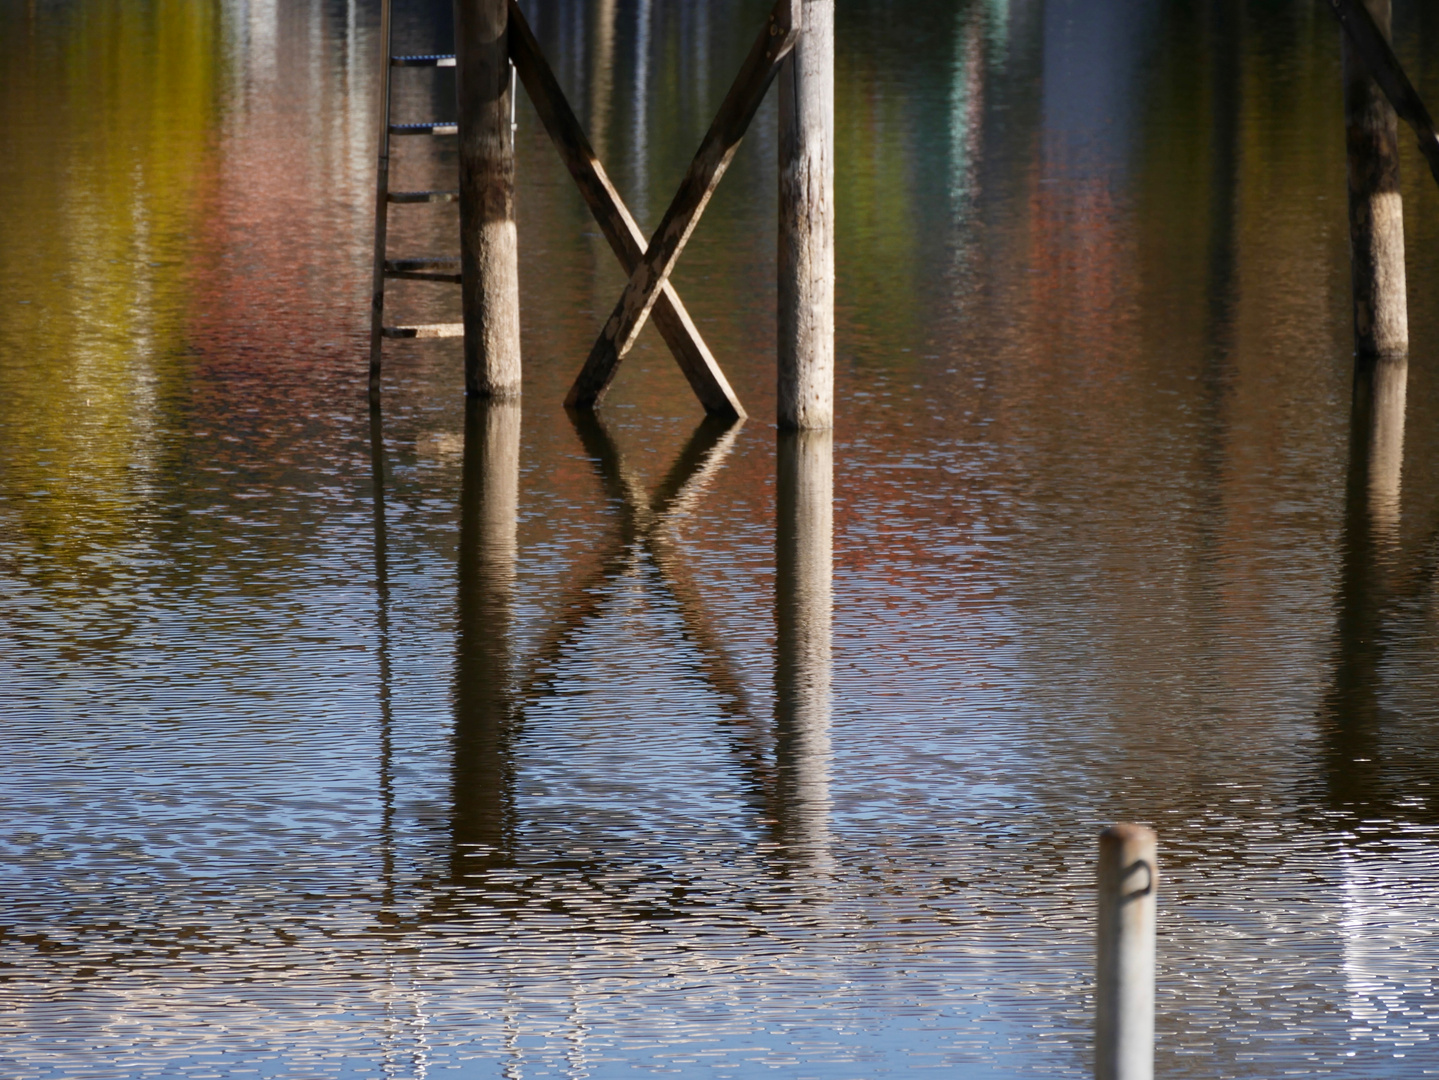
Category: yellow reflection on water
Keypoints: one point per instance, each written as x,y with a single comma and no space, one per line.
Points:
109,111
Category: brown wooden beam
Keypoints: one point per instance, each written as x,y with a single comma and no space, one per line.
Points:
705,171
614,219
1371,46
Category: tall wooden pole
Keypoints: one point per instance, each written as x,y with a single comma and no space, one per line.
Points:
806,224
1376,209
1124,969
489,264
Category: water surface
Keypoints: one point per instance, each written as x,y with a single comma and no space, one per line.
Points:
486,741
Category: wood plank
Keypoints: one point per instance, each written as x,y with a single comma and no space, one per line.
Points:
426,330
422,61
437,262
674,230
614,219
437,127
424,196
1374,50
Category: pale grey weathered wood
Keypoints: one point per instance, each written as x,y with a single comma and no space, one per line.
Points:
1376,207
805,309
489,258
426,330
1128,879
614,219
674,230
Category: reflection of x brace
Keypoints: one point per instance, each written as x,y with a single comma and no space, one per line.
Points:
646,526
650,267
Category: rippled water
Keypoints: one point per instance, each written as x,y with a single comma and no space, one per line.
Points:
487,741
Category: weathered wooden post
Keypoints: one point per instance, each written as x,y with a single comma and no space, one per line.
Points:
1376,208
1124,984
804,529
484,663
489,264
806,223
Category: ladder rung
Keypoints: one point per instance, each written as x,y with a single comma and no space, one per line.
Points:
439,262
426,330
423,196
422,275
422,61
437,128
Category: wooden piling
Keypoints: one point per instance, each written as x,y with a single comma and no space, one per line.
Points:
1124,985
1376,209
806,224
489,264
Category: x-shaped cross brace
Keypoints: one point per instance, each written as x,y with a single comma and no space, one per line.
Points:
649,290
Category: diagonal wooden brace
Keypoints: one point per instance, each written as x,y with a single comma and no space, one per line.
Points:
648,279
1384,67
614,219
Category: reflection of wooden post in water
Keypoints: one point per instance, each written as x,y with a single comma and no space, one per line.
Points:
1376,209
1377,427
1371,528
489,260
805,308
489,502
803,601
382,621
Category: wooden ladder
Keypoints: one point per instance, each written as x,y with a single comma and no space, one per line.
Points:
445,269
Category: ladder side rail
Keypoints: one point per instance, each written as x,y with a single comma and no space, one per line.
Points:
382,204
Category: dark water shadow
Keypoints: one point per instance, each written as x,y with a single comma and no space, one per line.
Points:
1356,773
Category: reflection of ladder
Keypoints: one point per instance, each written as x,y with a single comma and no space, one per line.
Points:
422,269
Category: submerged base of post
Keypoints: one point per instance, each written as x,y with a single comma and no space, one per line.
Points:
1124,968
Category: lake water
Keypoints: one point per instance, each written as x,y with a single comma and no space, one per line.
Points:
483,742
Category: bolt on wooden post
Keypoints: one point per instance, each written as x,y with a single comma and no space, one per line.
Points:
489,261
806,223
1124,983
1376,208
